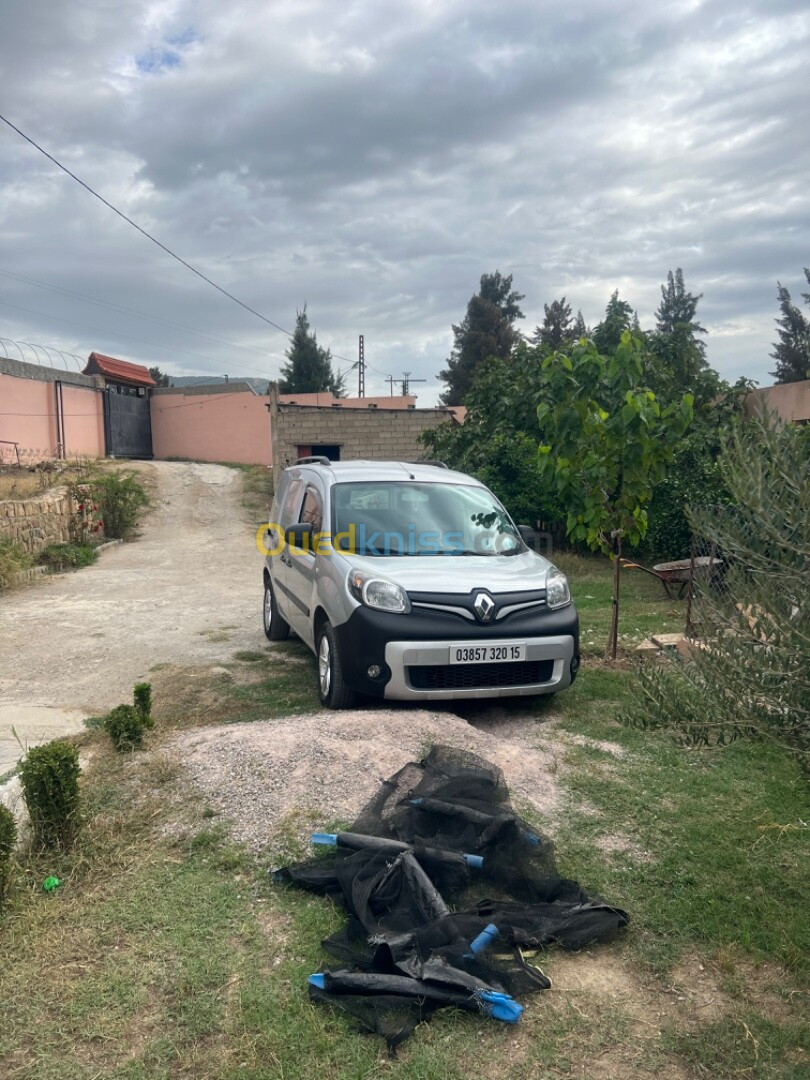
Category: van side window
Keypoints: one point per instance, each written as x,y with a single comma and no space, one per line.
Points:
311,511
292,501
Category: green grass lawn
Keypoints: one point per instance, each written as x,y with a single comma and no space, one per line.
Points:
167,953
644,607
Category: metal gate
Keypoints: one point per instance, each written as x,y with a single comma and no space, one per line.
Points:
127,425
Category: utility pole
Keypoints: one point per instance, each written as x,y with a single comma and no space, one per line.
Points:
406,382
361,367
390,380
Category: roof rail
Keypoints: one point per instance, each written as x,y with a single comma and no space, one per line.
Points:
436,464
318,459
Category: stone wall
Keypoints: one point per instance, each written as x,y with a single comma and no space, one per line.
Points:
35,523
371,434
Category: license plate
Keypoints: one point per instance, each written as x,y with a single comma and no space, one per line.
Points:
499,653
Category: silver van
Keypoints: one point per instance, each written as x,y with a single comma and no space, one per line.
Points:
410,582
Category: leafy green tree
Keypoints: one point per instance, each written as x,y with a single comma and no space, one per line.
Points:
161,379
487,330
618,318
792,350
750,673
558,327
309,366
498,440
607,440
694,476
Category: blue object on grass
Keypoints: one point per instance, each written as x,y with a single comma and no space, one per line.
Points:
500,1006
317,981
484,939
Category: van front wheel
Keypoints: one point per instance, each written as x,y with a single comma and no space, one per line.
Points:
332,690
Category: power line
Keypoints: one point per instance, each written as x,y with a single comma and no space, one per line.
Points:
143,232
129,311
129,337
149,236
385,374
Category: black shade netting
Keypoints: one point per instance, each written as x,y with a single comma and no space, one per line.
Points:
445,889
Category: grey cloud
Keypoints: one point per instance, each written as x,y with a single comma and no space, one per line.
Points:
375,160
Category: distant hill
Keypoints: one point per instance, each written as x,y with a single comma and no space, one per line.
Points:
259,385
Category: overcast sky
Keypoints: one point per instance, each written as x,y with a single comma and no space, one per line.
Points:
372,159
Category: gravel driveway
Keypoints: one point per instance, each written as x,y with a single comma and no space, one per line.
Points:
75,644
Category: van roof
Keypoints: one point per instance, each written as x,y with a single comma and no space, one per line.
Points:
336,472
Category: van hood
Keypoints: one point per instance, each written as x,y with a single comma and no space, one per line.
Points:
458,573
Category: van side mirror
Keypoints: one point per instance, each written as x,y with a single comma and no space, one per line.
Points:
300,536
528,535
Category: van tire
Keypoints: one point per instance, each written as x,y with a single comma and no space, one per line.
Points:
332,690
276,628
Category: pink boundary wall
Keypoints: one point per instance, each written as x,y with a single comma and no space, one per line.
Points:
28,417
790,401
212,427
234,425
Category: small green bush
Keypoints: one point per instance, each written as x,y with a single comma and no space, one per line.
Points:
13,558
67,556
8,840
120,497
50,785
125,724
142,695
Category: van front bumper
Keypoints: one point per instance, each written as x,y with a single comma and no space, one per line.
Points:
423,670
411,654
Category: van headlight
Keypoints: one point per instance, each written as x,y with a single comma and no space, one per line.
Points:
557,591
378,593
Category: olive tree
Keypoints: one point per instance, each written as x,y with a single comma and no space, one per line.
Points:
749,673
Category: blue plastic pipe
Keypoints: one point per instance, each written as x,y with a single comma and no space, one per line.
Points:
356,841
484,939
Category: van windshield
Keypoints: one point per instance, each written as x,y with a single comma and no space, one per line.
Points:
401,518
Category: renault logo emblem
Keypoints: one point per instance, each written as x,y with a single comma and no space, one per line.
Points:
484,606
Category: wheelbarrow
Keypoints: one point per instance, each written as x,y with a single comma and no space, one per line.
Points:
678,573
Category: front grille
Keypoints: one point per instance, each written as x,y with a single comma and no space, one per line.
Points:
479,676
461,605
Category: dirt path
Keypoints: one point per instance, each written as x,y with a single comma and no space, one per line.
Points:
75,645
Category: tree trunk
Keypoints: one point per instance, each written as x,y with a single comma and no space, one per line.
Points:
613,637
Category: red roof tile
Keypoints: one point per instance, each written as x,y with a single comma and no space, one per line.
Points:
118,370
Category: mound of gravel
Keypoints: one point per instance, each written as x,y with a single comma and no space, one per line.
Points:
328,765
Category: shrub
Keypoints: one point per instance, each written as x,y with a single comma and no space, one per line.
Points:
142,695
120,497
751,673
125,724
67,556
8,840
50,785
13,558
693,478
